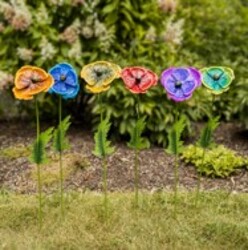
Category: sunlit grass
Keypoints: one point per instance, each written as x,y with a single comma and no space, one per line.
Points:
219,222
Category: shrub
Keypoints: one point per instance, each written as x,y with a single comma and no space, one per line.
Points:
218,161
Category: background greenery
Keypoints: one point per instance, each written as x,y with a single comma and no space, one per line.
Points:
151,33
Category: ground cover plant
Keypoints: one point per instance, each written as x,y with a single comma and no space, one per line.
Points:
218,161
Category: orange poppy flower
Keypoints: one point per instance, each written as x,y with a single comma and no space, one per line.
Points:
30,81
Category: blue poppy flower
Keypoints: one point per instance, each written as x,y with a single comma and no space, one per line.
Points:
65,81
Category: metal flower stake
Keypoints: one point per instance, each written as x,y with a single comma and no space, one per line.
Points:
66,87
29,82
138,80
217,80
99,76
180,84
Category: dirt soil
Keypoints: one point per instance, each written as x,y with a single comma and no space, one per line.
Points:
156,167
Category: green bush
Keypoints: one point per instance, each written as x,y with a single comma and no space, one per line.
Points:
151,33
218,161
216,34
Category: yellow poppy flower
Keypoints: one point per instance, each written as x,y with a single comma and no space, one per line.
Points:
30,81
99,75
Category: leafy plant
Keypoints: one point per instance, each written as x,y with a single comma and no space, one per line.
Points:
218,161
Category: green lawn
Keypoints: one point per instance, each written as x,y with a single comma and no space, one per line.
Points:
219,222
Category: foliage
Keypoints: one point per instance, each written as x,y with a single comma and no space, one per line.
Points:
136,141
39,147
102,145
175,146
141,32
218,161
207,132
209,37
60,142
217,223
242,106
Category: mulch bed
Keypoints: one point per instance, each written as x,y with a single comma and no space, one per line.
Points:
156,167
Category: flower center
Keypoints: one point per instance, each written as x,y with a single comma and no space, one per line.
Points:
178,84
35,80
62,77
98,73
216,77
138,80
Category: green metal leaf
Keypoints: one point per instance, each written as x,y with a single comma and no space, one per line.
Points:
136,141
207,132
175,146
60,142
39,147
102,145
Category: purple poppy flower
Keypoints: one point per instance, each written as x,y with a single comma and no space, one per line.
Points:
180,83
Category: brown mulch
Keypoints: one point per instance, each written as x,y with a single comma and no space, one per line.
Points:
156,167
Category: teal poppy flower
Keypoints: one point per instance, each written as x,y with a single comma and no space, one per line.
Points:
217,79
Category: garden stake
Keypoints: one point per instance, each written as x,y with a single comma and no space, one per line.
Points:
36,81
66,86
98,77
138,80
180,84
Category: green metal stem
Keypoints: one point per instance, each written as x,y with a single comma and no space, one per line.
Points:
105,185
136,157
61,172
176,173
104,166
38,165
199,179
